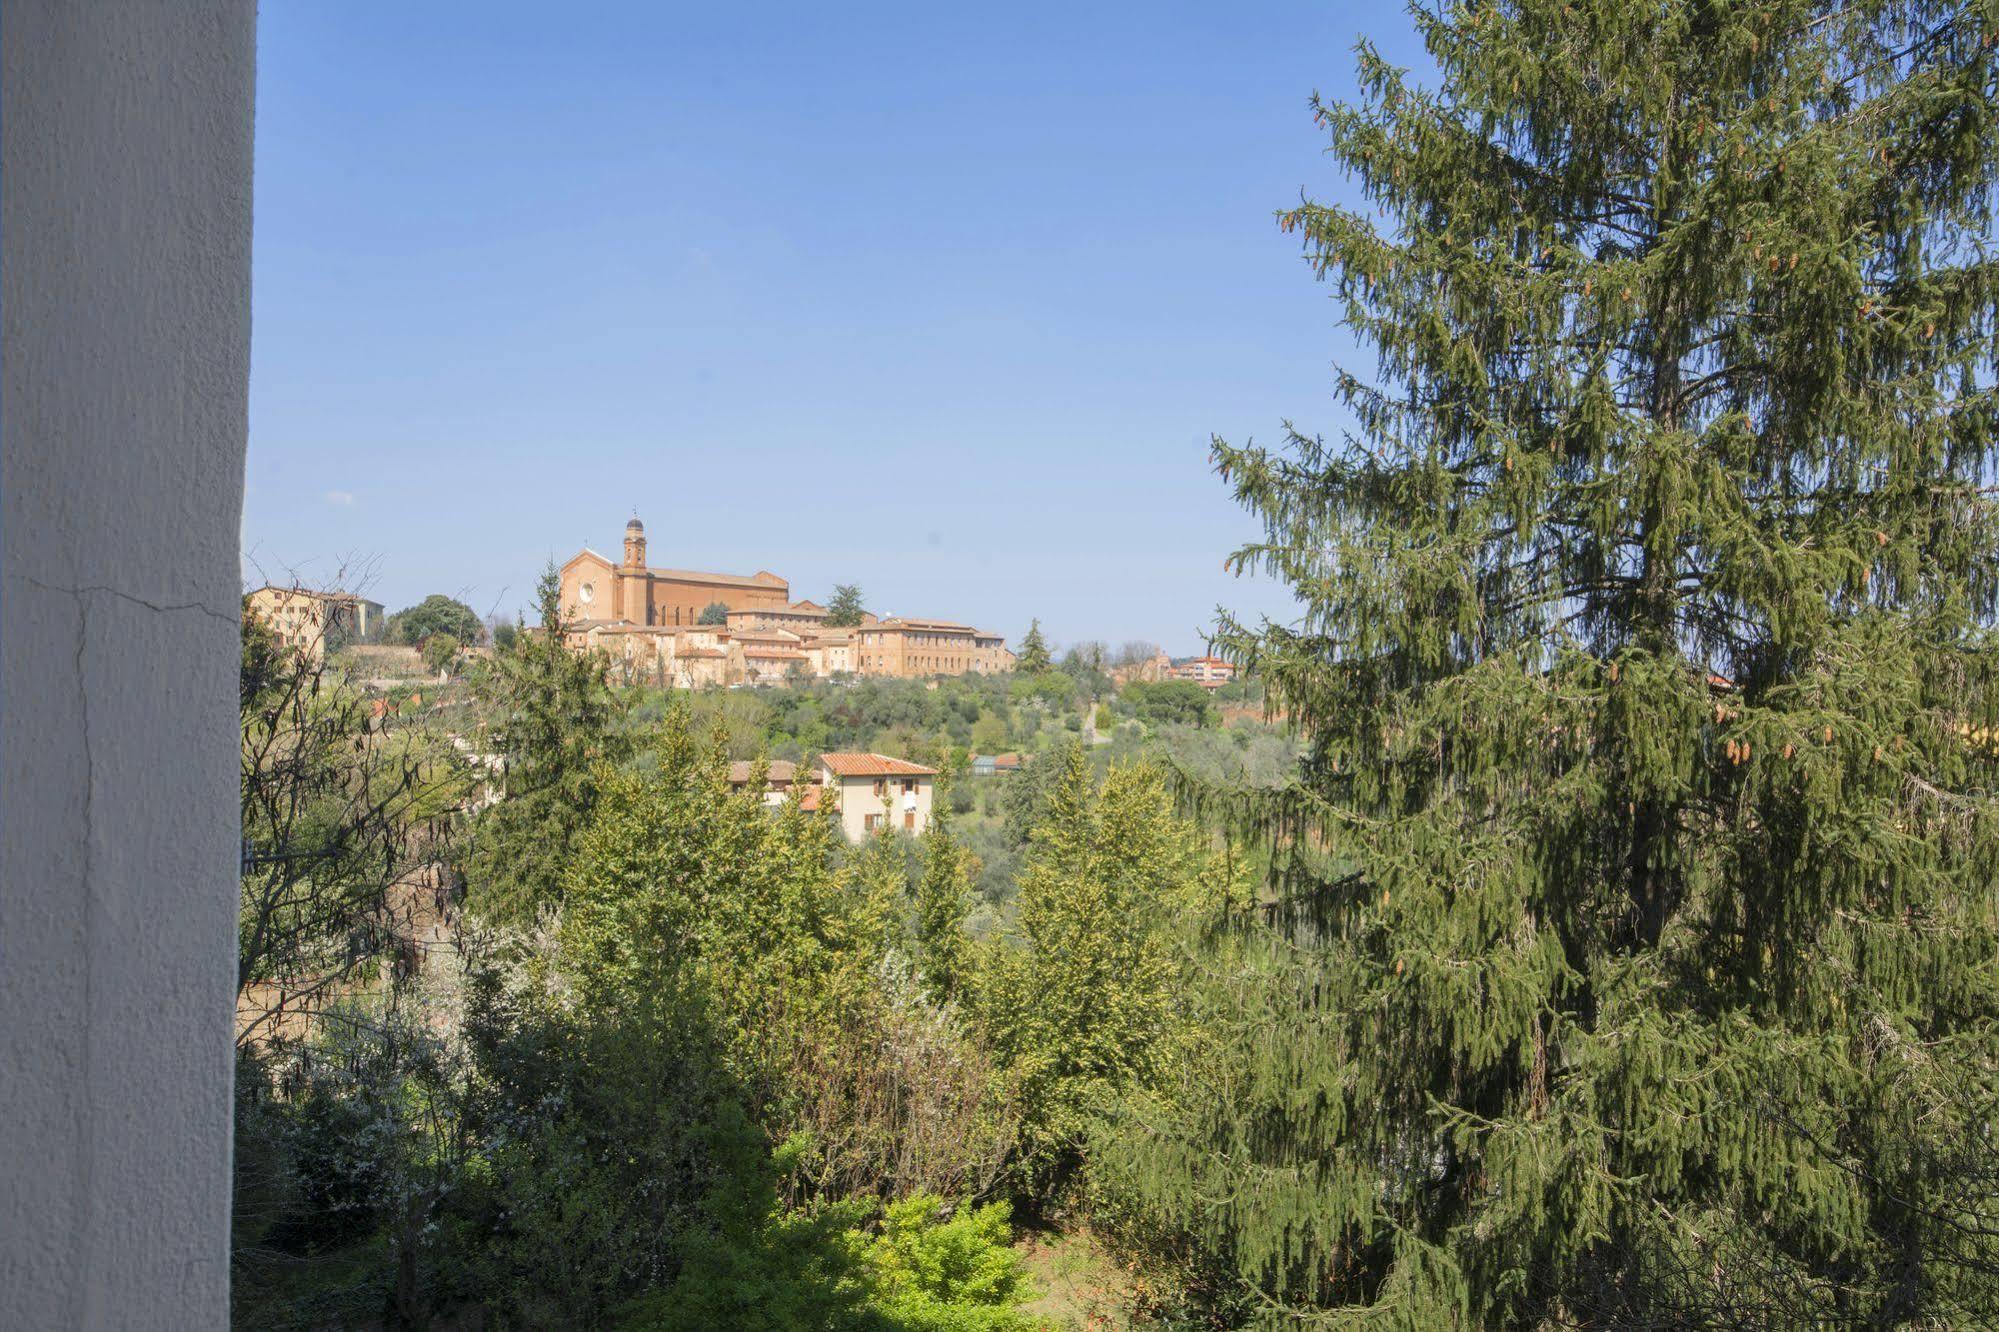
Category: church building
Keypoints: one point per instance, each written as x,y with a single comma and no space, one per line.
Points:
594,589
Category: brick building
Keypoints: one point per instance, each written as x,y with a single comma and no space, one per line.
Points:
633,591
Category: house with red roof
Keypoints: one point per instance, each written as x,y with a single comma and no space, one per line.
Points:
877,791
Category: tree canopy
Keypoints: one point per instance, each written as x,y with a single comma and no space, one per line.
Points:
435,614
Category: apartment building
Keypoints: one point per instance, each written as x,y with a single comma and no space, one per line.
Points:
304,620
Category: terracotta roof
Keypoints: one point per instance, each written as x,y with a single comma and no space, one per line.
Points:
764,579
781,770
700,652
872,765
774,654
810,800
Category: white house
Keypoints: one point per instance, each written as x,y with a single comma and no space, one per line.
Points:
875,789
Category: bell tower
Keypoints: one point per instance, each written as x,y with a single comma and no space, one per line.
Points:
634,600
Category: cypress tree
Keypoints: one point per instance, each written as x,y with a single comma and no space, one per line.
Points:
943,900
1629,957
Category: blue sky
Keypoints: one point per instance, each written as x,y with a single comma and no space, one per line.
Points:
942,300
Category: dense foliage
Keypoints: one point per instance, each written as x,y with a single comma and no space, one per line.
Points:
1597,930
441,652
727,1071
1168,702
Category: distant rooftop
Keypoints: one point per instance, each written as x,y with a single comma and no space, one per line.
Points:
781,771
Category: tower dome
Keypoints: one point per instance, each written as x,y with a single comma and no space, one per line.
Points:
635,525
635,543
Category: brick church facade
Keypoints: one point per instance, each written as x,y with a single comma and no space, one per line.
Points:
632,591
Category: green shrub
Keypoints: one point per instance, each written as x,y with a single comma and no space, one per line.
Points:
955,1275
818,1270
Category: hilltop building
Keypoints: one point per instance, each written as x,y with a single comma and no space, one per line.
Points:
646,621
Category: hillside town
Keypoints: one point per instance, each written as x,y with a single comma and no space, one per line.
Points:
693,629
687,628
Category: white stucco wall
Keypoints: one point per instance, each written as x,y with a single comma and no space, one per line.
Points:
858,800
125,147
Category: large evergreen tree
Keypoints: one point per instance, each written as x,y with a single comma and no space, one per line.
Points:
1632,958
846,608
